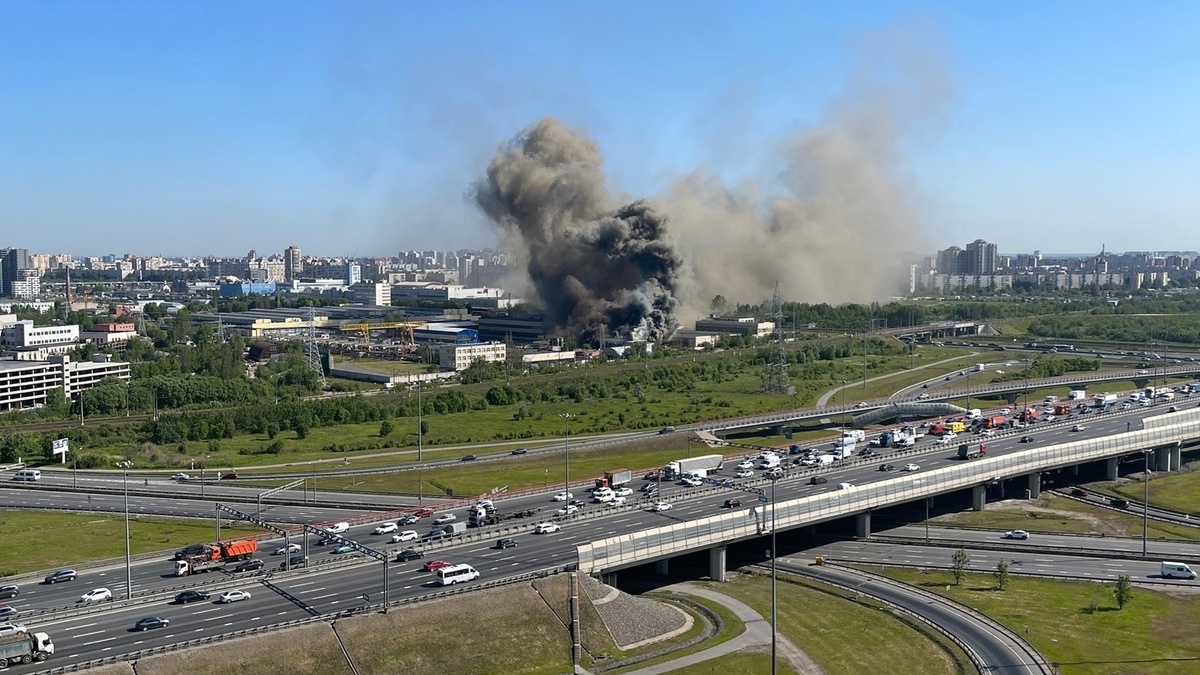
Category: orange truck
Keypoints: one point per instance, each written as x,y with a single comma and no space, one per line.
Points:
215,556
996,422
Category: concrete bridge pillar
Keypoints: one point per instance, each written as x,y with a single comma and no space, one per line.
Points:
1177,456
1012,397
1110,468
716,563
862,525
1162,459
1141,382
662,567
1035,486
1074,468
979,497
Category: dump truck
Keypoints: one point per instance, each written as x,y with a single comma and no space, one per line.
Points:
25,648
612,479
1028,415
971,450
216,556
1062,409
994,422
478,516
681,466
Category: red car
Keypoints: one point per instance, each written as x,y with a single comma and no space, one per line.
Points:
434,565
423,513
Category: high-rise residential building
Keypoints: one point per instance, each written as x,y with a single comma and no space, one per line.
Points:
293,264
949,261
980,258
11,260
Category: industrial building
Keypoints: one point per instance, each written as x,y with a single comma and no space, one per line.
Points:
505,327
460,357
110,335
18,334
457,332
370,293
735,325
26,384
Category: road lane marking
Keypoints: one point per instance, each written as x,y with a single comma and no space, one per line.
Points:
83,635
96,642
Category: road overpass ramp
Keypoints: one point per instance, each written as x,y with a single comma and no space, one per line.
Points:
912,409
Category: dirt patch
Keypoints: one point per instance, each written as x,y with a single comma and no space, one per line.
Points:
111,669
308,650
1098,525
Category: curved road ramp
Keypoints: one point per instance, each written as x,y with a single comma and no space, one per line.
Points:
911,409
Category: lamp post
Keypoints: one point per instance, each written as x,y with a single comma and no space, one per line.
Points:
842,417
774,594
1145,497
420,422
567,461
128,558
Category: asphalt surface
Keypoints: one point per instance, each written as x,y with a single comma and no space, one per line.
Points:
1157,549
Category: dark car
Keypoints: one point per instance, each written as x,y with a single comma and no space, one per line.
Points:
190,596
520,451
870,453
189,551
1119,503
325,541
232,475
795,450
407,520
817,480
409,554
9,591
467,458
1078,492
294,562
1027,439
652,475
1174,409
732,503
506,543
152,622
249,565
887,467
61,575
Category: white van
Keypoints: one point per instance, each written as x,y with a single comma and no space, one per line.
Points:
456,574
27,474
1176,570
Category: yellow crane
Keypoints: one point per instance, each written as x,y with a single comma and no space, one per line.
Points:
404,327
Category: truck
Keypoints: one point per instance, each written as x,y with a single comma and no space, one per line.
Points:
216,556
1062,409
885,439
1077,395
975,413
25,648
1104,399
453,529
1167,396
972,450
857,435
681,466
616,478
995,422
1028,415
979,367
956,427
938,429
478,516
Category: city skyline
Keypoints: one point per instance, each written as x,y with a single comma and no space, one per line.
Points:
192,128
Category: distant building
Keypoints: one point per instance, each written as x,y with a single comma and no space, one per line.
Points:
11,261
26,384
293,264
446,333
246,288
694,339
110,335
25,334
460,357
505,327
27,285
735,325
370,293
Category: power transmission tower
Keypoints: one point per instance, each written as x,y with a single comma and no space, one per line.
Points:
775,374
312,352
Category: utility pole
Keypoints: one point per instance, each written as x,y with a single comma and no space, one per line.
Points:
420,423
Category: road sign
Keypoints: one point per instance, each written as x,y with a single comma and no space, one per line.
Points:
762,499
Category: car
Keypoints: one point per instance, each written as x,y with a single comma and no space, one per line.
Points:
409,554
887,467
467,458
623,492
870,453
345,548
910,467
1078,492
326,540
1173,409
748,464
338,528
546,528
181,477
1016,534
7,629
445,518
232,475
844,486
407,520
284,550
567,510
423,513
190,596
1078,427
660,506
774,473
61,575
1026,439
386,528
407,535
249,565
434,565
9,591
732,503
563,496
232,596
520,451
923,395
507,542
666,430
652,474
744,473
294,562
817,480
96,595
616,501
149,622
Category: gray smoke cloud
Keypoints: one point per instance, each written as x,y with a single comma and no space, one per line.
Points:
598,269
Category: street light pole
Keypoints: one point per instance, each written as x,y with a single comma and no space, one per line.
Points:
128,557
842,416
420,423
1145,497
567,462
774,594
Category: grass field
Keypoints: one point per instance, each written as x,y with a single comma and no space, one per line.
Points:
1078,624
383,366
1176,491
92,537
745,662
1079,518
307,650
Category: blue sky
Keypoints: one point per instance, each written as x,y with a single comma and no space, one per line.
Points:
356,127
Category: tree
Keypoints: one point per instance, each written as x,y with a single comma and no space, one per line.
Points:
1123,591
719,303
301,429
424,428
1001,573
385,428
960,560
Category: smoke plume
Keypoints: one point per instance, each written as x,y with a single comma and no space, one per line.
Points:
598,269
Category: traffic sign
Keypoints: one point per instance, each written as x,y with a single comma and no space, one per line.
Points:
762,499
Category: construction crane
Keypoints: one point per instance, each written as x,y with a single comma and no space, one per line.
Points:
404,327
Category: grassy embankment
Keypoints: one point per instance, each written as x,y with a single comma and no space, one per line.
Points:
1069,516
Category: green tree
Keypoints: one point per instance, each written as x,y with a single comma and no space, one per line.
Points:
302,429
1001,574
385,428
424,428
719,304
1123,591
959,562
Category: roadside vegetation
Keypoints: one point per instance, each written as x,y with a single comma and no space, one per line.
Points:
1050,513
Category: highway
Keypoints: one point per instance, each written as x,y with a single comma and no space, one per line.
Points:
1158,549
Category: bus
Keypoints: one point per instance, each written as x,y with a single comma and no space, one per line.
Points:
1061,348
456,574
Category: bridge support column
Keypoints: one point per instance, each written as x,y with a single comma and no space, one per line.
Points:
1035,486
1074,468
862,525
1177,456
810,530
716,563
662,567
1110,468
1012,397
979,497
1162,459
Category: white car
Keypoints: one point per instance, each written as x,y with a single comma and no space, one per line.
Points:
7,629
844,486
1016,534
661,506
616,501
445,518
910,467
563,496
96,595
233,596
602,497
744,473
546,528
624,492
407,535
692,482
746,465
486,503
567,510
284,550
1078,427
338,528
386,528
181,477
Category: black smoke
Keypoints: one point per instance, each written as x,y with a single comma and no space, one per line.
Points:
599,270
